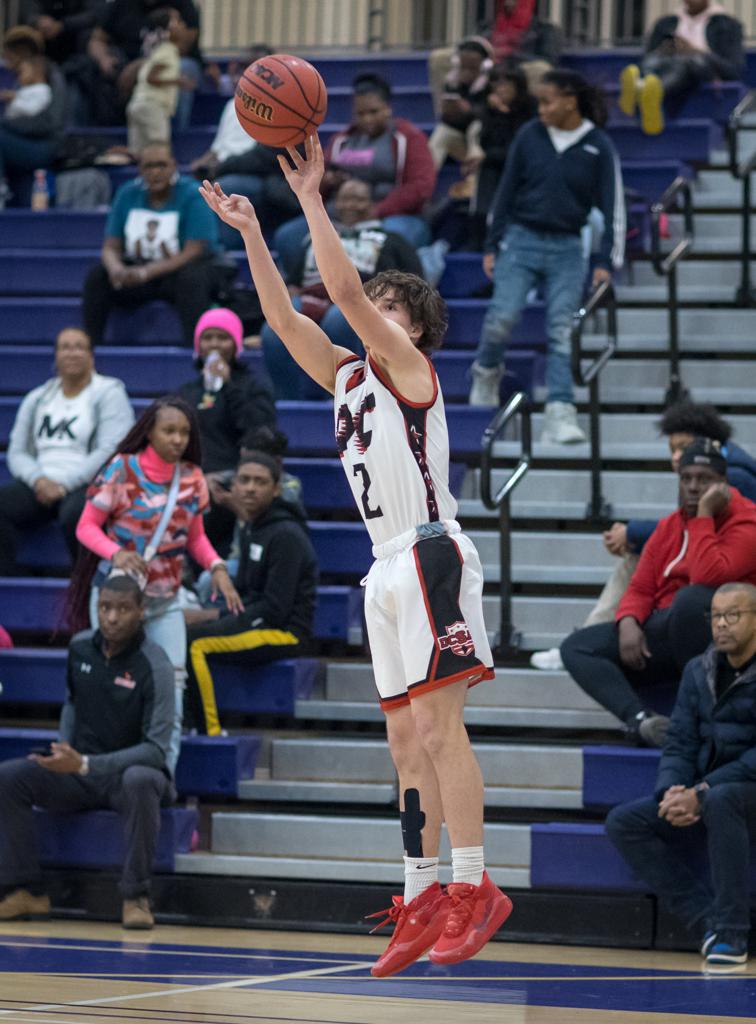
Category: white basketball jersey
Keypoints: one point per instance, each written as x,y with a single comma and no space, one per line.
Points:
395,453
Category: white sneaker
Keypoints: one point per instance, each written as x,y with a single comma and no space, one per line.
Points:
485,385
547,661
560,424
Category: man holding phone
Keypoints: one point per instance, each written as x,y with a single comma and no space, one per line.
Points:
115,730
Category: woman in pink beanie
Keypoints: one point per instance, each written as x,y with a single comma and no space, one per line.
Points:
229,399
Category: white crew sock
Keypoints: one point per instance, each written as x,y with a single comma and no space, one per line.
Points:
468,864
419,874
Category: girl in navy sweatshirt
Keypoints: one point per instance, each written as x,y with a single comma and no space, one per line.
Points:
560,166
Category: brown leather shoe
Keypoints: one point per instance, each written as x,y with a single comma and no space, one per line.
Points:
137,914
22,904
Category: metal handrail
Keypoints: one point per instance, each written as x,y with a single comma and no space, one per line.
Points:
509,639
598,511
666,266
742,171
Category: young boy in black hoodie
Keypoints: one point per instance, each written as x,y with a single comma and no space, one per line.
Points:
277,580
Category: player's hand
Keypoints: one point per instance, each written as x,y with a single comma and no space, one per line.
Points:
130,562
236,211
714,501
489,262
63,760
615,539
600,274
305,176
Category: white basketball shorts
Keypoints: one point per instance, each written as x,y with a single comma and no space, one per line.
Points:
424,613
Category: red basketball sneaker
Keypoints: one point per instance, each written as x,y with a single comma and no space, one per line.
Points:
416,927
476,912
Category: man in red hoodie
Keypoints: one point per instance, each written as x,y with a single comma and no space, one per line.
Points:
660,622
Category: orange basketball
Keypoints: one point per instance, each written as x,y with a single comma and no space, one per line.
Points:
280,100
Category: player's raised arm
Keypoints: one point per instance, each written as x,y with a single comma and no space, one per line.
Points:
340,277
304,339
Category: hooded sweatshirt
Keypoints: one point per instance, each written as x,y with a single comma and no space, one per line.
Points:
278,570
685,550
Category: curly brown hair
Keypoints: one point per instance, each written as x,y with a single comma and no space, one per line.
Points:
424,305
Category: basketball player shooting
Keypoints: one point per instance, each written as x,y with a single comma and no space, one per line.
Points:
423,597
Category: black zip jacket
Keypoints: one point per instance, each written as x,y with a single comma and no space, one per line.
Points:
278,572
118,710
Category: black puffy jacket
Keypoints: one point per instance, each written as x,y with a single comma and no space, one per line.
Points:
710,740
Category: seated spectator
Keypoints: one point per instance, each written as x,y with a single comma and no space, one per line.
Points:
708,541
371,248
33,93
681,424
390,154
699,43
229,400
143,516
277,580
63,24
30,138
64,430
106,76
507,108
129,275
559,167
462,101
520,38
153,101
705,795
112,752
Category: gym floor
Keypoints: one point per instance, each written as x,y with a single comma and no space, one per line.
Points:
75,973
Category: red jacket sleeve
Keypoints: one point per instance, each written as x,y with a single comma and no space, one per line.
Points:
638,600
720,557
418,178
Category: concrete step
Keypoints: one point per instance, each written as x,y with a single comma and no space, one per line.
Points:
546,557
690,272
542,621
357,769
552,493
726,381
651,293
516,697
724,331
337,848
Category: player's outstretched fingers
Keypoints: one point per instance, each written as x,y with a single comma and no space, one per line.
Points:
295,157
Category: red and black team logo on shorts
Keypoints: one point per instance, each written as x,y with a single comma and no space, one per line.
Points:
458,639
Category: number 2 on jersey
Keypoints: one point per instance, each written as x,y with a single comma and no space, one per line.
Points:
360,469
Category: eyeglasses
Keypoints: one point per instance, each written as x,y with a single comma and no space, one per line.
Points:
730,617
155,165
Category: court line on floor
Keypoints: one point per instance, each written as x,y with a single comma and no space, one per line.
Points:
239,983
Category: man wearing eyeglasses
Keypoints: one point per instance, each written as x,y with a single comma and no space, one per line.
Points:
660,625
705,793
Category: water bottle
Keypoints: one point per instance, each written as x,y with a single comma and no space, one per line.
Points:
40,197
212,379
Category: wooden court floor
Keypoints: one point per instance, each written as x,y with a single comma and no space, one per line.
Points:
81,973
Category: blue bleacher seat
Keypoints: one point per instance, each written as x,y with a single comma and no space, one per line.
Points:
207,765
275,691
576,855
94,839
55,229
33,604
612,775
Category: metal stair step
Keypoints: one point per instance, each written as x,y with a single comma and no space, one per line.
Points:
546,557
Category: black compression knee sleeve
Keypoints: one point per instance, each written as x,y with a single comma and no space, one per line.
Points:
412,819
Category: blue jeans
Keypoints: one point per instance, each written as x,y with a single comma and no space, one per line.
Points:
528,259
163,624
23,152
290,382
192,69
667,857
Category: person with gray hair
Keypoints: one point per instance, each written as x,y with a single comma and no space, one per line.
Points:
705,795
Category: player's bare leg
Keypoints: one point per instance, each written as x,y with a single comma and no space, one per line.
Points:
419,915
478,907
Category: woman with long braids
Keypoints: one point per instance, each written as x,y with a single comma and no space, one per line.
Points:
560,165
142,517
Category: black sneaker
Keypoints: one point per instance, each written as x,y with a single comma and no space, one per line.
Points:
729,948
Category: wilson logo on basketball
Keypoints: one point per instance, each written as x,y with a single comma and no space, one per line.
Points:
253,106
268,76
458,639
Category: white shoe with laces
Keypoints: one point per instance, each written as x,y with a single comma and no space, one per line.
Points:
548,661
560,425
485,385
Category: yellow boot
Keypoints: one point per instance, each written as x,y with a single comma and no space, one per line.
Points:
651,113
629,79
